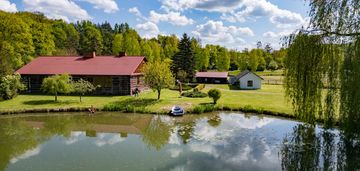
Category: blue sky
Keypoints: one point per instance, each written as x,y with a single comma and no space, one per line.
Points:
236,24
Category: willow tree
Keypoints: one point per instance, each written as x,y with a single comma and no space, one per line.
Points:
322,68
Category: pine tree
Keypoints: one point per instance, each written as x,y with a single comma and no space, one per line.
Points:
184,58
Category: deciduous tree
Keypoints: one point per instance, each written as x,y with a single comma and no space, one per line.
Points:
158,75
57,84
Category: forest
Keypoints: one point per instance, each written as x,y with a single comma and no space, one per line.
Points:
25,36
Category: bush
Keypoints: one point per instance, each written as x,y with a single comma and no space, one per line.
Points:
273,65
194,94
184,87
215,94
10,85
199,87
204,108
124,108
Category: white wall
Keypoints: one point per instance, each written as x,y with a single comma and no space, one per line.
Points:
250,76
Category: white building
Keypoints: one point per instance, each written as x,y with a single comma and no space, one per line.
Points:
247,80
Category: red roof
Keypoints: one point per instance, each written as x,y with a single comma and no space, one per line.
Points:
212,74
77,65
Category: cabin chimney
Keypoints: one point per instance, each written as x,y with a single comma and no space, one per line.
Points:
121,54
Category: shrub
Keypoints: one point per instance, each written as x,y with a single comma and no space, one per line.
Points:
273,65
10,85
184,87
215,94
199,87
194,94
204,108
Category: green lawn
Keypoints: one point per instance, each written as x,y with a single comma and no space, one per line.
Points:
270,97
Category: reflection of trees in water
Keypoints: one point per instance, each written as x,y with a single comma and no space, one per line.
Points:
186,131
157,133
15,139
306,149
300,150
214,121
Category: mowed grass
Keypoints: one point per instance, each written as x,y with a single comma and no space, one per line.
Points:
270,97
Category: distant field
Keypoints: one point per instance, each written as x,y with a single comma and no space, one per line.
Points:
270,97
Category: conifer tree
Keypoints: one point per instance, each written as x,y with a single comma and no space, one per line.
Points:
184,58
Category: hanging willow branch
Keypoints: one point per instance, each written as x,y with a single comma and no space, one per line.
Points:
303,71
322,75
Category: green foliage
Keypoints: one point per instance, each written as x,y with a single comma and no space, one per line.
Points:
131,42
215,94
199,87
303,71
157,133
82,87
16,43
90,39
182,76
201,55
118,44
223,59
273,65
158,75
349,92
203,108
185,87
107,34
57,84
194,94
184,58
10,85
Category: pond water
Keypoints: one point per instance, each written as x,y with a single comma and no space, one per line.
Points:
218,141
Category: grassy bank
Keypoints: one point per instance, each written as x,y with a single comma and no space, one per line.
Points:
270,99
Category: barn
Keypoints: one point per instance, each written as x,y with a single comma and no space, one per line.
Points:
212,77
247,80
116,75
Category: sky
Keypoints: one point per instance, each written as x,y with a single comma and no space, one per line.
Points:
235,24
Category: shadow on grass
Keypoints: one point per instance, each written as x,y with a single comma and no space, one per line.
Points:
44,102
233,87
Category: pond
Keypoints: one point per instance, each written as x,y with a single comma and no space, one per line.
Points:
217,141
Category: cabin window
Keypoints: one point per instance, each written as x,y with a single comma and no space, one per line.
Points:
138,80
250,83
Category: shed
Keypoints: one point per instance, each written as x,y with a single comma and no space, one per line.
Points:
212,77
247,80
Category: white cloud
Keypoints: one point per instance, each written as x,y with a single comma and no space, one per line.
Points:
149,29
57,9
107,139
27,154
135,11
214,32
262,8
239,10
280,34
174,18
7,6
109,6
208,5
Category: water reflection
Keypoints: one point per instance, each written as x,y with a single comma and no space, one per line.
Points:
223,141
311,148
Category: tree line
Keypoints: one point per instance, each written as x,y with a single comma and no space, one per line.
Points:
26,35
